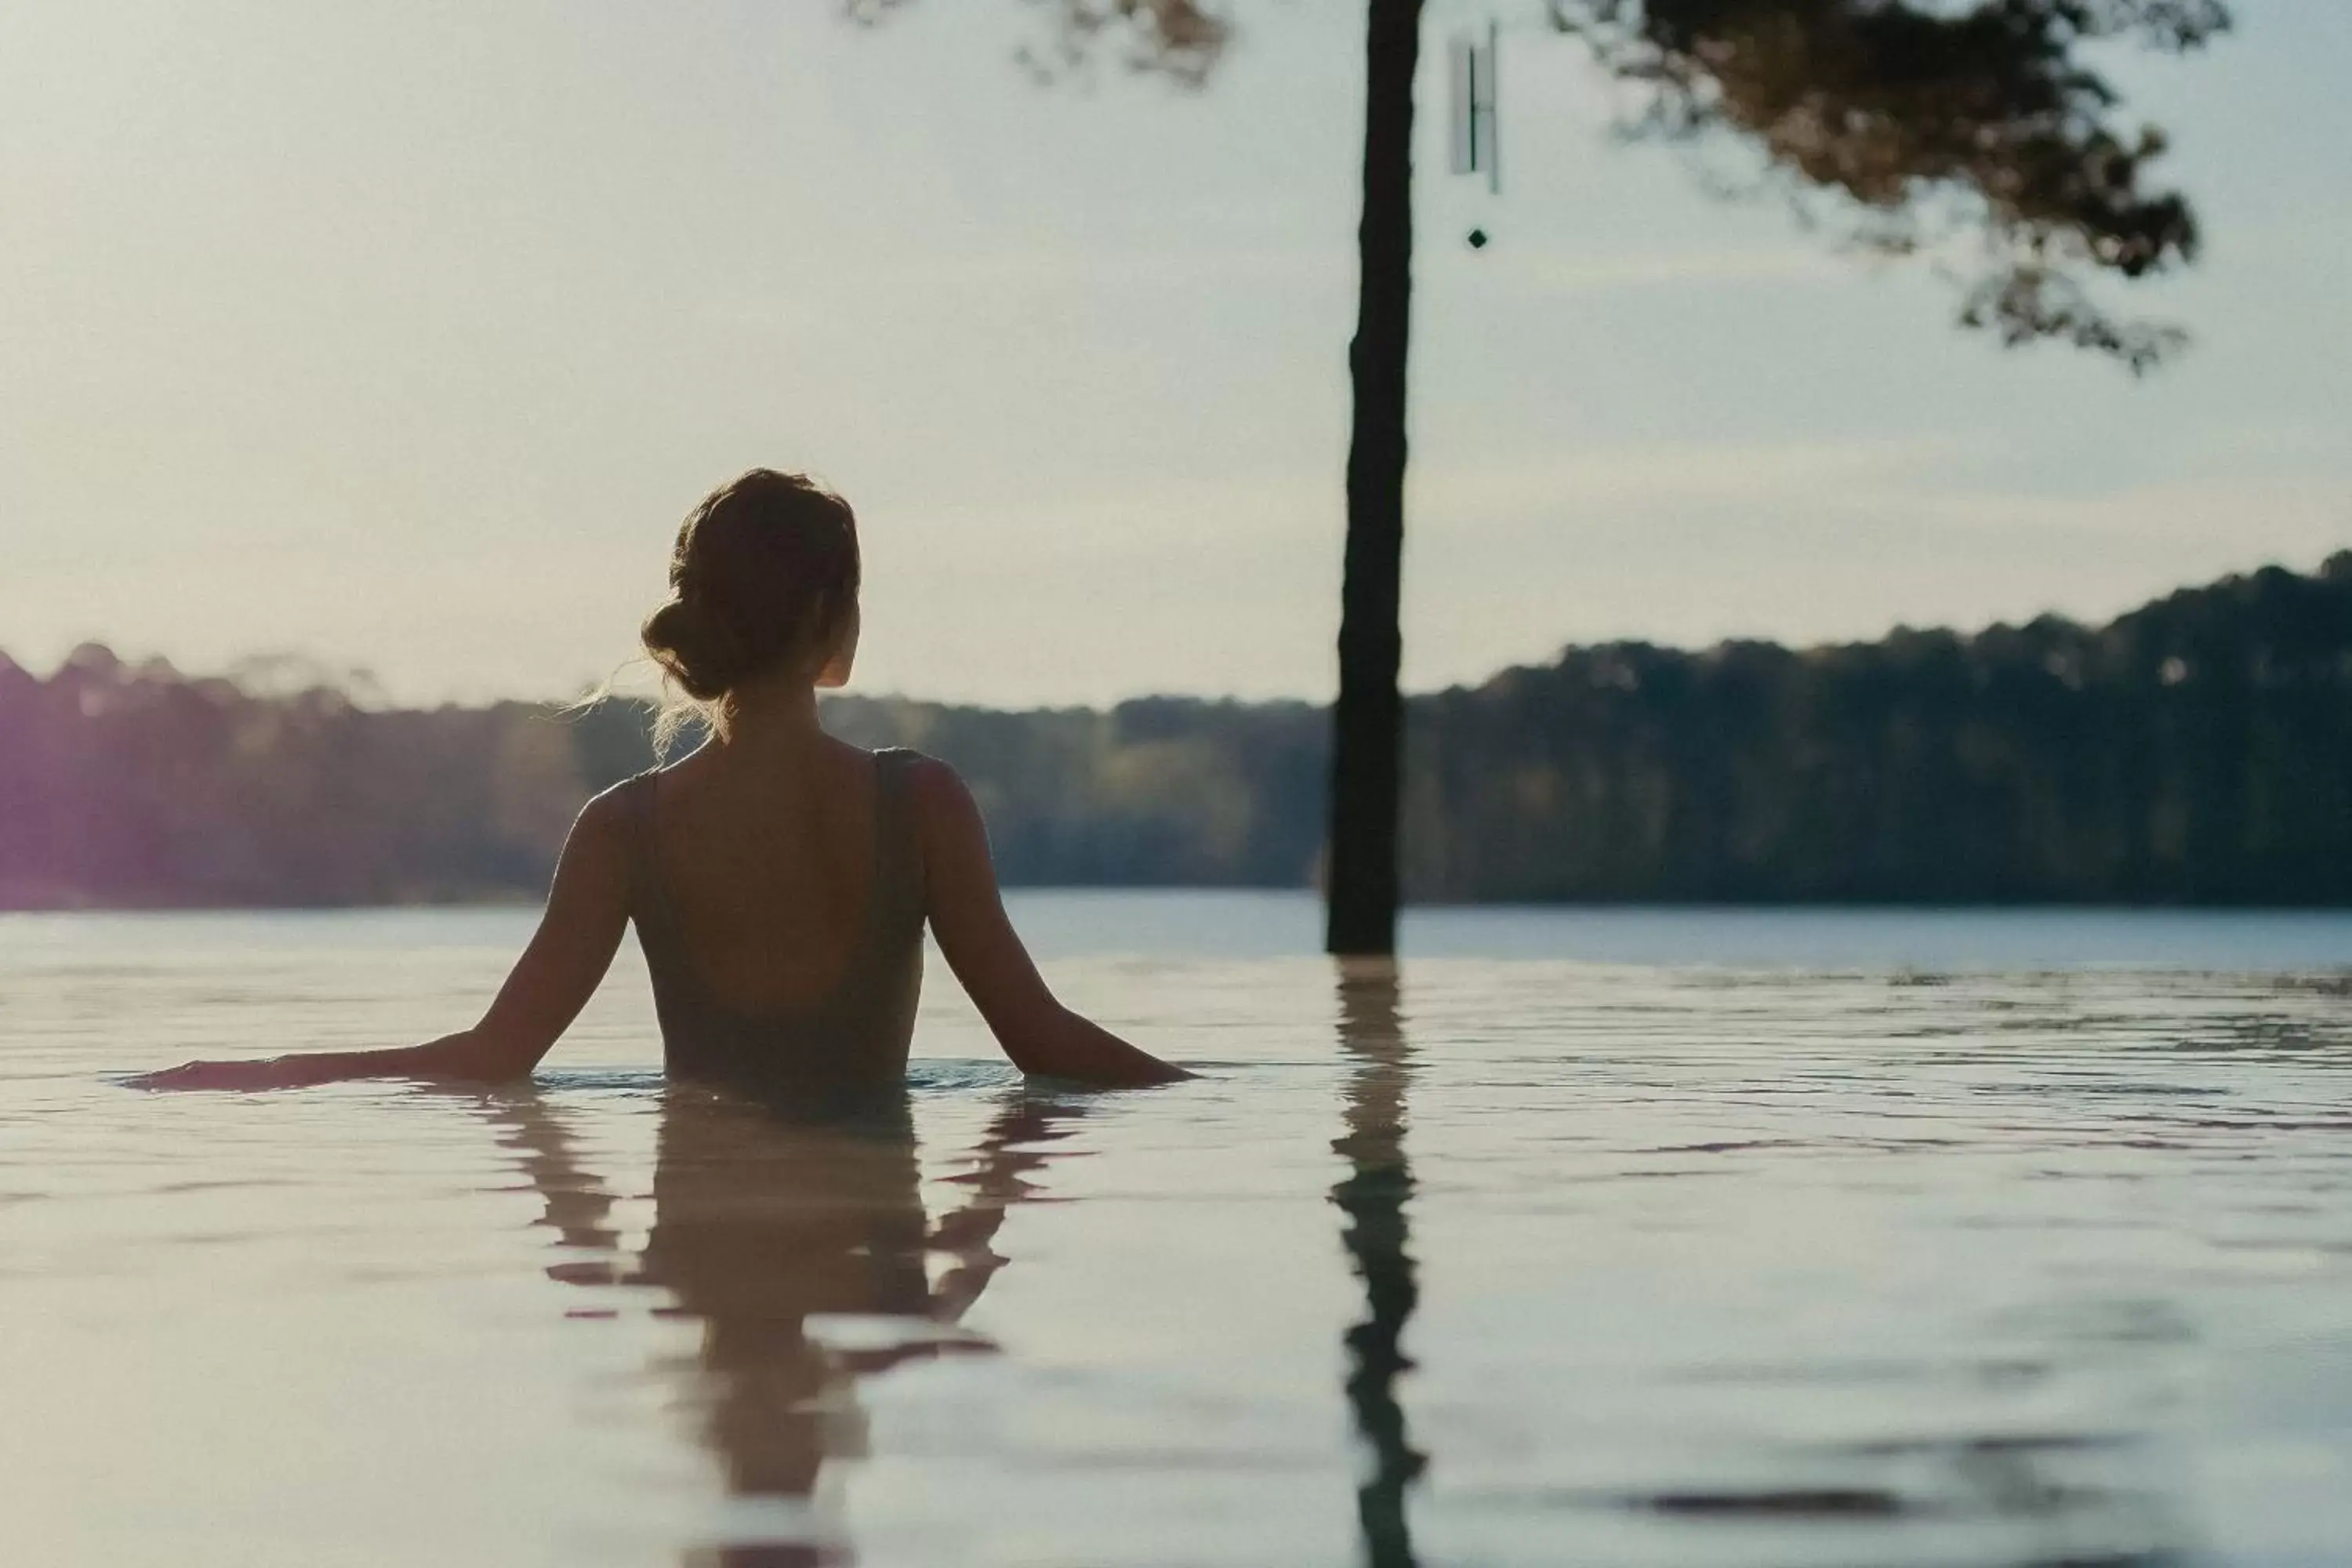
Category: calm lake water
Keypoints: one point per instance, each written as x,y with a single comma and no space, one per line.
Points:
1649,1237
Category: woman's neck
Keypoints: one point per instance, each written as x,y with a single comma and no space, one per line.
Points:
773,718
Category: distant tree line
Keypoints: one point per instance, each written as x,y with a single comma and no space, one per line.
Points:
2198,750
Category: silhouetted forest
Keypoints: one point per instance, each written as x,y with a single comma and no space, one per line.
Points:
2196,751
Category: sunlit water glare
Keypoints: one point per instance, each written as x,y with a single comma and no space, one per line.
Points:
1659,1237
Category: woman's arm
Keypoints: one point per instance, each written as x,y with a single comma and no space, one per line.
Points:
587,910
968,917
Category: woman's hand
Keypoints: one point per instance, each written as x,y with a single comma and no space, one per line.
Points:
272,1072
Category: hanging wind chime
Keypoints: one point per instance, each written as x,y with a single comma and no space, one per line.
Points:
1476,139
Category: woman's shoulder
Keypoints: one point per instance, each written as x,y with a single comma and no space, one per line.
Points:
926,776
614,796
610,810
933,789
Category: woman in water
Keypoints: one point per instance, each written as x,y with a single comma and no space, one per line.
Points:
779,878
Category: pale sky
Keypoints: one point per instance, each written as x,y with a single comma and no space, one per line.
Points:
401,336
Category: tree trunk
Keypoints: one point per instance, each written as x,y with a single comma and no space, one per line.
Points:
1367,724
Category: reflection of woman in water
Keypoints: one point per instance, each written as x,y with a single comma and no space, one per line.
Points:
762,1222
780,879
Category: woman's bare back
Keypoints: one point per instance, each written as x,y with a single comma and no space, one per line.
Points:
779,898
769,873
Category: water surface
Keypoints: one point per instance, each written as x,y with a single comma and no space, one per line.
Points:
1654,1237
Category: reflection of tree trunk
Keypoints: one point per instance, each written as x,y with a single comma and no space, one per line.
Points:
1367,722
1373,1195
